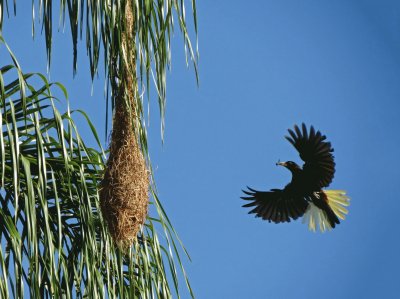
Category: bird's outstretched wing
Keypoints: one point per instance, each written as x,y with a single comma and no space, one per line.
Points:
319,166
275,205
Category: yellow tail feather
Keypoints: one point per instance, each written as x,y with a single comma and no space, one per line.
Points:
314,216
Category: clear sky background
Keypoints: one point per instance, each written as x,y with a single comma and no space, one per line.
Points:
265,66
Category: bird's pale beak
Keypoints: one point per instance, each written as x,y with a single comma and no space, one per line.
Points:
280,163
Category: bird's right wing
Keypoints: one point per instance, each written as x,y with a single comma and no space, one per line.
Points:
275,205
319,165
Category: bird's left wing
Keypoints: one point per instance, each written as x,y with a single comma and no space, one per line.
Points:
319,166
275,205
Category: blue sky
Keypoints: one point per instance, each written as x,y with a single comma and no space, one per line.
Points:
265,66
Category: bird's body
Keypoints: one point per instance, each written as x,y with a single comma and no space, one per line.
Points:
304,196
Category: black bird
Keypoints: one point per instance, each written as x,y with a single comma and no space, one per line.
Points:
304,196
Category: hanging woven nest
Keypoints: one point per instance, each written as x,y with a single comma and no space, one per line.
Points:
124,192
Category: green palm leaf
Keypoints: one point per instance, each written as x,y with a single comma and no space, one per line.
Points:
54,242
102,23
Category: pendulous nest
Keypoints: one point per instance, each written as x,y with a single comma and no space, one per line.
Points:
124,191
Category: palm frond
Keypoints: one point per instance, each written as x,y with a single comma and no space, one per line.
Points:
101,25
54,242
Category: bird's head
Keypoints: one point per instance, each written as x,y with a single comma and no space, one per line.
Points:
292,166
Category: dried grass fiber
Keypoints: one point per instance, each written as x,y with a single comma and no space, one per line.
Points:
124,191
125,186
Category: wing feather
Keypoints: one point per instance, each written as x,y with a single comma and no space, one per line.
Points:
274,205
319,165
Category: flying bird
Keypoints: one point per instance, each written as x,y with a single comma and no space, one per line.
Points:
304,195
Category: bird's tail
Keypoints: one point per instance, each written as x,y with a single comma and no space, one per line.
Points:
316,215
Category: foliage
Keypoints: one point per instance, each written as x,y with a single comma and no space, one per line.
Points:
53,238
101,23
